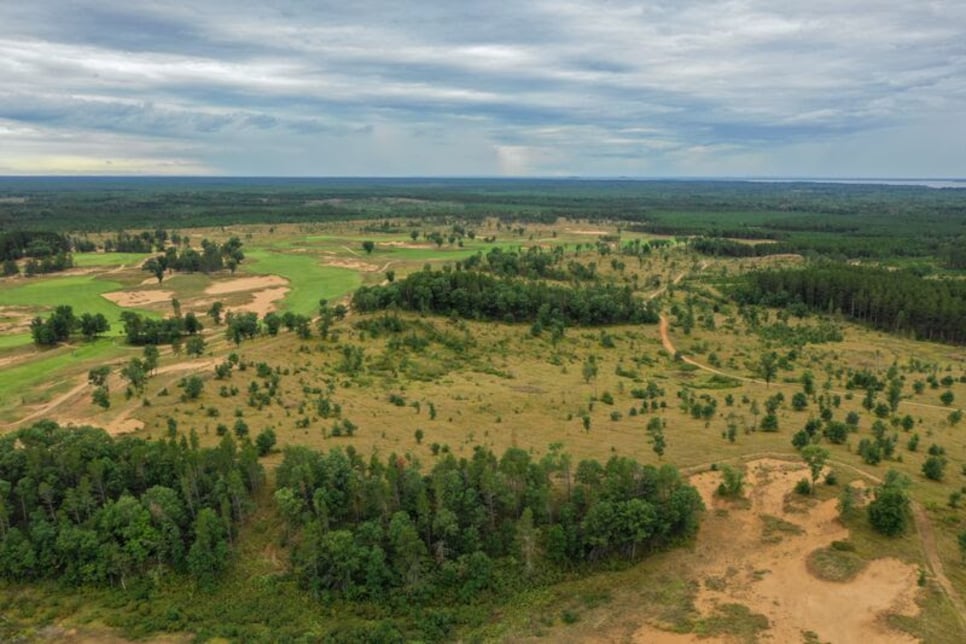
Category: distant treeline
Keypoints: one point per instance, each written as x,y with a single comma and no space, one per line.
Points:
479,296
782,211
81,507
891,300
385,530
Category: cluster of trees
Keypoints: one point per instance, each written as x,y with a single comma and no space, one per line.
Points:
81,507
213,257
143,242
476,295
46,252
723,247
892,300
17,244
534,263
369,529
140,330
62,323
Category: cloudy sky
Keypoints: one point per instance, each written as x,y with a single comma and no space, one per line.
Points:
861,88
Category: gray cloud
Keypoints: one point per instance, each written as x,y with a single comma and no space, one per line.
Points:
425,87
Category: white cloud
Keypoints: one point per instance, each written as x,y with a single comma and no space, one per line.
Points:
427,87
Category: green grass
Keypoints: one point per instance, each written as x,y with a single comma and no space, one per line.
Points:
16,340
735,620
82,292
17,379
831,564
309,281
83,260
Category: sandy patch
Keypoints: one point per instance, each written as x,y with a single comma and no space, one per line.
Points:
354,264
138,298
238,284
15,319
766,571
401,244
262,302
588,232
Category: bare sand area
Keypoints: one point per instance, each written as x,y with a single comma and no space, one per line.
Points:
741,560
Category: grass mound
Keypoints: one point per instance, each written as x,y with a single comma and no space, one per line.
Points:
835,564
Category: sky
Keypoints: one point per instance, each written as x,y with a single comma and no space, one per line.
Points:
862,88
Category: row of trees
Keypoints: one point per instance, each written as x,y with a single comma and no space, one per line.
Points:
891,300
140,330
82,507
367,529
476,295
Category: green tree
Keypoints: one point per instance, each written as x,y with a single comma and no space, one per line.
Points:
815,457
215,312
94,325
889,510
768,366
150,356
156,266
934,468
368,246
192,386
208,554
590,369
195,346
265,441
98,376
136,374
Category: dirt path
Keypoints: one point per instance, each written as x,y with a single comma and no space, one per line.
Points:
120,423
934,562
46,408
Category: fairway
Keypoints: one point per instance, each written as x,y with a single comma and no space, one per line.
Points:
19,379
85,260
309,280
82,292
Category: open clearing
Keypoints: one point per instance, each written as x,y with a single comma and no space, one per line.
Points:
743,559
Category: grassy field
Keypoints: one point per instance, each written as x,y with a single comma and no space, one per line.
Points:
86,260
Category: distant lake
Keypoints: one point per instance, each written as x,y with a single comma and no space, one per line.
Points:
928,183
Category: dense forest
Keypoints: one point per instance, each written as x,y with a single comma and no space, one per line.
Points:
827,219
892,300
480,296
388,532
81,507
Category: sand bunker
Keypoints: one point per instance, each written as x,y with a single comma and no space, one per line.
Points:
262,301
354,264
138,298
237,284
766,570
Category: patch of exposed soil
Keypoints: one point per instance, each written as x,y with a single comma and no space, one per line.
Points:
756,554
14,319
251,283
138,298
354,264
262,302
